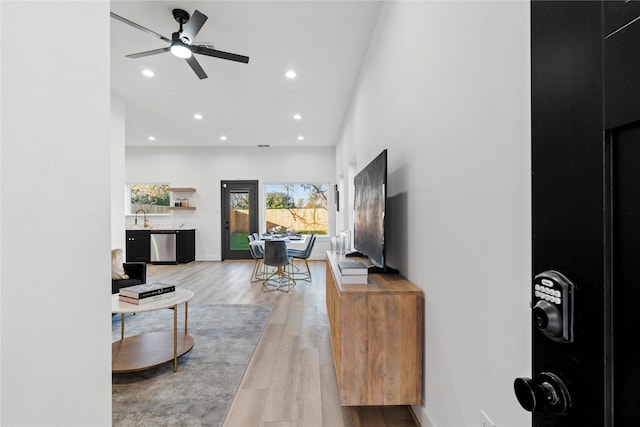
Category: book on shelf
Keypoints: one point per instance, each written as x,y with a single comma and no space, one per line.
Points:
138,301
146,290
354,279
350,268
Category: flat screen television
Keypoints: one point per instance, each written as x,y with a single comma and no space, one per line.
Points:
370,198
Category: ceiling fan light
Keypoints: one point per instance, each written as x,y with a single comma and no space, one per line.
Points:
180,50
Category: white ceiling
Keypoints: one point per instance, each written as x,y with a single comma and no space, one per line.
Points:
251,104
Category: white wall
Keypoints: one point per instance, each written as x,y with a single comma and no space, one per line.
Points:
117,172
205,168
445,87
54,214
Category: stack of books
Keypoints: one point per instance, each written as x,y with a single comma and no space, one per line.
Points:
352,272
146,293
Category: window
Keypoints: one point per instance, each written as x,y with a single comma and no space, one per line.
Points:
152,198
297,207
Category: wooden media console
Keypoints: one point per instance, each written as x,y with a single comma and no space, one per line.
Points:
376,336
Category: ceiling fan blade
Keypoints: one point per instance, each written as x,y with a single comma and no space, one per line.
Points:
149,52
139,27
193,26
195,66
219,54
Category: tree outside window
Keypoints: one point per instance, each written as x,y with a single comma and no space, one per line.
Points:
152,198
301,208
239,200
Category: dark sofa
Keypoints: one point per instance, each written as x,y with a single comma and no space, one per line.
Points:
137,272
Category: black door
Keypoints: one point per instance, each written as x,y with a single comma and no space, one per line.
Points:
239,217
622,133
585,95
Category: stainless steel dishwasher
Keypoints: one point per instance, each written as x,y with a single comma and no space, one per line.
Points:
163,246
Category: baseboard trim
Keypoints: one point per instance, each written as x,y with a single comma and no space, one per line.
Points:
414,416
420,416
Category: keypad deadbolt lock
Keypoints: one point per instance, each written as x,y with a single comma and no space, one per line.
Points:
552,315
552,306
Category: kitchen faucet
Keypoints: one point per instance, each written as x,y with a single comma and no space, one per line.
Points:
146,221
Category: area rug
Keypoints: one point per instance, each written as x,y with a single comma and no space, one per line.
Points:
200,392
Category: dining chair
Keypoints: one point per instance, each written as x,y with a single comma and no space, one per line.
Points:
275,255
258,272
302,255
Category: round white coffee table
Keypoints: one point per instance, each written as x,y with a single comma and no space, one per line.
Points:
151,349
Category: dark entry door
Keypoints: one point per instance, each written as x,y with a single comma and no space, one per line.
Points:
622,126
585,113
239,217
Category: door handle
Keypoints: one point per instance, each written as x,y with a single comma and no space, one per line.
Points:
547,390
547,318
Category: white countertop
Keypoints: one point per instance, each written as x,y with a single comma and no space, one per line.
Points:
160,227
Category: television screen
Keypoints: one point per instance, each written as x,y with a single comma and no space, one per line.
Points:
369,210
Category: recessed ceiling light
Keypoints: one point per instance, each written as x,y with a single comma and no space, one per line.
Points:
147,72
197,116
223,138
290,74
300,138
297,116
151,138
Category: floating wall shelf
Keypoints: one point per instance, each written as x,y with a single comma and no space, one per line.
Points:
182,190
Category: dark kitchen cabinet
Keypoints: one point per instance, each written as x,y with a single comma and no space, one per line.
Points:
138,246
185,246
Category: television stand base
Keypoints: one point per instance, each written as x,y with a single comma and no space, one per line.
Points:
355,253
387,270
373,269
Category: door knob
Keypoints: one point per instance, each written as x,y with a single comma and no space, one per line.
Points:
547,390
547,318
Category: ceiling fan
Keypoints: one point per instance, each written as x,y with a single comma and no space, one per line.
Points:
181,41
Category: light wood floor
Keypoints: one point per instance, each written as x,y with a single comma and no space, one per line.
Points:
290,380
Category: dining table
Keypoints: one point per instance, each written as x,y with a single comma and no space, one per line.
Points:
293,242
298,242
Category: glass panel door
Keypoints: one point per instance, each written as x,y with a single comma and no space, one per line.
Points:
239,217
